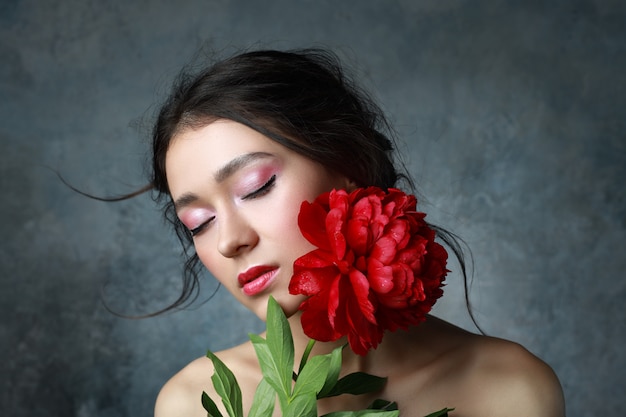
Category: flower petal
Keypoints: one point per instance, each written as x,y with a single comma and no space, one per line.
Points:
376,268
361,288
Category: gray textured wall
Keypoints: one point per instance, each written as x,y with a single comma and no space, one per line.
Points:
513,117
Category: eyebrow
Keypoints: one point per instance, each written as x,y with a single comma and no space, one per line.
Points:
237,163
223,173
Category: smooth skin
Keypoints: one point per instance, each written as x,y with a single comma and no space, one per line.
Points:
240,193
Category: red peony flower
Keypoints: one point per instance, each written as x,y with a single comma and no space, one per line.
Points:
377,266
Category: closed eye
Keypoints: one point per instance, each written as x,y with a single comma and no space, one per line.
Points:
264,189
200,228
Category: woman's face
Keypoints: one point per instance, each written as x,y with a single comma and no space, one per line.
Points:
239,193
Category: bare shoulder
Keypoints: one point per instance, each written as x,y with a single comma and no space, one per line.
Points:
476,375
510,380
182,394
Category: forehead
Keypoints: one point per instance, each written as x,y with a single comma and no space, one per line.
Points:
222,135
217,141
195,153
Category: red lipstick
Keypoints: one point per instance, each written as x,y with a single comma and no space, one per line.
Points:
256,279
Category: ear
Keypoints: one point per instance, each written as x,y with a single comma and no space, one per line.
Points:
350,185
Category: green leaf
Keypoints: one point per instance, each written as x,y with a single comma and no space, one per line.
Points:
304,405
226,386
363,413
280,342
264,400
312,377
383,405
441,413
334,368
210,406
358,383
270,370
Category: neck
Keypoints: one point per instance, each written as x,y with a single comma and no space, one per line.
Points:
351,362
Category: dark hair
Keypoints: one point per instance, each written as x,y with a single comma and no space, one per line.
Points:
302,99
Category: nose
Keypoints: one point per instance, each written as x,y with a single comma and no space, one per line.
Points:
236,236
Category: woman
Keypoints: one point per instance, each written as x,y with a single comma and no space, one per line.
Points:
237,149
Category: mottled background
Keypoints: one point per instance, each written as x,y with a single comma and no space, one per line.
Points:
512,116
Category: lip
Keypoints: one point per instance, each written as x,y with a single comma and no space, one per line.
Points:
257,278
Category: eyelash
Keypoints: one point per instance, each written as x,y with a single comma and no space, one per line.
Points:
264,189
200,228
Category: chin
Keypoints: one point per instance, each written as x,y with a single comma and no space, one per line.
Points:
289,303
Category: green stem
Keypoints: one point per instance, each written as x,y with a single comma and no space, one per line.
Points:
305,355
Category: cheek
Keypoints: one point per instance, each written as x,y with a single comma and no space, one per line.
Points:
211,258
283,224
